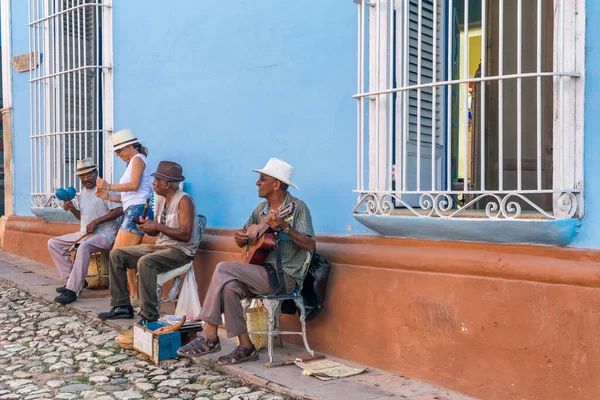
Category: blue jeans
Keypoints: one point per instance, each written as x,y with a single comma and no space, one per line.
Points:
135,211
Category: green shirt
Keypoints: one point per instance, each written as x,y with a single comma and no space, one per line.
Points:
292,256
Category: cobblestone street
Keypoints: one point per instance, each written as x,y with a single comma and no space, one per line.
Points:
47,351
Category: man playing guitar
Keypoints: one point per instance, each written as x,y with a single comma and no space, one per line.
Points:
233,281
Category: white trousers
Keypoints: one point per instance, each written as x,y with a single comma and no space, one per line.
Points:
75,272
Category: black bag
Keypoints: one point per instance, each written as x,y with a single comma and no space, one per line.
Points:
313,288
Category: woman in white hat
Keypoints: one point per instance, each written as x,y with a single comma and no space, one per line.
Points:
134,187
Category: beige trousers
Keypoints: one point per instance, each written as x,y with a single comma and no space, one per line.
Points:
230,283
75,272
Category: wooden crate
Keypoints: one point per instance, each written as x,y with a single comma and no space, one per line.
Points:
156,348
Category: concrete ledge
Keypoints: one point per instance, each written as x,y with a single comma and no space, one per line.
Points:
530,263
50,214
27,236
516,231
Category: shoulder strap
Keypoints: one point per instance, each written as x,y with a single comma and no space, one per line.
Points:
280,276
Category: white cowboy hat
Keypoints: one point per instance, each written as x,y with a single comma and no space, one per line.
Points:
84,166
123,139
279,170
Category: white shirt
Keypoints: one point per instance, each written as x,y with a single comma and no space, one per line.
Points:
92,207
144,190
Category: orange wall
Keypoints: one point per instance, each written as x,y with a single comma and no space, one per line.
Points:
492,321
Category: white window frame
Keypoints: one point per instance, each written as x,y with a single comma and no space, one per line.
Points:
60,129
5,25
375,186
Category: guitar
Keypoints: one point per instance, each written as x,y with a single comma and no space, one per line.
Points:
261,241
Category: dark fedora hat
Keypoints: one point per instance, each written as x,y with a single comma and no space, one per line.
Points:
169,171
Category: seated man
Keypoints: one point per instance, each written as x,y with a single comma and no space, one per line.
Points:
178,236
232,281
98,219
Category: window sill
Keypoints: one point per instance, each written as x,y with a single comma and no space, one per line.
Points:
558,232
51,214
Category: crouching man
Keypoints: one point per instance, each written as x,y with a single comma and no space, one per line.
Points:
178,236
99,219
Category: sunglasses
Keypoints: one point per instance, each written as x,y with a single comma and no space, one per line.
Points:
265,178
87,175
163,217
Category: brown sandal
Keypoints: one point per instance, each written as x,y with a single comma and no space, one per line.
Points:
199,347
239,355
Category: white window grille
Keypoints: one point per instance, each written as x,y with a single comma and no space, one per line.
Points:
71,90
470,108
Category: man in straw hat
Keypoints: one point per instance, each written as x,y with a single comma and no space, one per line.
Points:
99,222
176,227
232,281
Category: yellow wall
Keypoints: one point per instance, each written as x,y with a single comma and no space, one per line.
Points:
474,50
474,60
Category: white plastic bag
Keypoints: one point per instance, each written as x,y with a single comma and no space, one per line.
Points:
189,303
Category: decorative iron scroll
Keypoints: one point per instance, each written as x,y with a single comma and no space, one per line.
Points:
446,205
49,200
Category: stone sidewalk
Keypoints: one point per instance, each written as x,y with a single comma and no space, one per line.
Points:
41,281
48,352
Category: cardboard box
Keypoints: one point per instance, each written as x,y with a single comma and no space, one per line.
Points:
155,348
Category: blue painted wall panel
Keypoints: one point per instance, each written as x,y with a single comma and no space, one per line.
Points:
589,232
21,155
221,89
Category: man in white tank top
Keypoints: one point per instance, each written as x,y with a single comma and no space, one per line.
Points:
178,234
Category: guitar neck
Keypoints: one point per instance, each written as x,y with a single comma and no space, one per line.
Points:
281,214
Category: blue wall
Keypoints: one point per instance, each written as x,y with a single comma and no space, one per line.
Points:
221,89
589,232
21,154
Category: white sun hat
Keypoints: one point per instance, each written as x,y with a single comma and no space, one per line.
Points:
123,138
84,166
279,170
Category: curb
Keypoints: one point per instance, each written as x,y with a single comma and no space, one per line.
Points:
255,380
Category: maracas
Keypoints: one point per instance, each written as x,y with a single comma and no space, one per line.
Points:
72,192
65,194
62,194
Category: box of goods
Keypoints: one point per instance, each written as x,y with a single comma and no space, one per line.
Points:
156,346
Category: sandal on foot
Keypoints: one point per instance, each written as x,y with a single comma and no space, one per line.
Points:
239,355
199,347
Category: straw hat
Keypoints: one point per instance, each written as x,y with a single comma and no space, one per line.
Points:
123,139
84,166
279,170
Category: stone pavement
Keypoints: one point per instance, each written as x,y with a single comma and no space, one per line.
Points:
52,351
48,352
